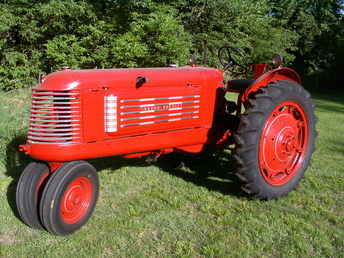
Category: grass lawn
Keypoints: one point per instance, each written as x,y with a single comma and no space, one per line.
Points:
194,210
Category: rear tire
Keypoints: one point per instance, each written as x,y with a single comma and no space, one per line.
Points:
275,140
69,197
29,190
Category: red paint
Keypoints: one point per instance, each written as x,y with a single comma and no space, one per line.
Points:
76,200
25,148
223,142
41,182
172,109
120,145
281,73
259,70
283,143
192,149
84,114
54,166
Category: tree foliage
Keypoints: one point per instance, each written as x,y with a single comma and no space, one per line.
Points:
39,37
320,26
43,37
242,23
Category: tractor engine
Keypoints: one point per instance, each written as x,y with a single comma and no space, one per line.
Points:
96,113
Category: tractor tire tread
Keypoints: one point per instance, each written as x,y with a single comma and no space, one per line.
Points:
247,135
26,200
51,193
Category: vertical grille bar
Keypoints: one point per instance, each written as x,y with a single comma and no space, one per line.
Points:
110,113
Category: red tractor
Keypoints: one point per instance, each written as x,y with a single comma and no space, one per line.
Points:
85,114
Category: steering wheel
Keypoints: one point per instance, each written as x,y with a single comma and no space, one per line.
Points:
233,60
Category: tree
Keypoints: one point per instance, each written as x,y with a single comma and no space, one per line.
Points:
319,24
242,23
43,37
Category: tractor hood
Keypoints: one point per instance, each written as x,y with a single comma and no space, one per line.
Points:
122,78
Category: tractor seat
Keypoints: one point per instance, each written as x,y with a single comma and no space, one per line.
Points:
239,85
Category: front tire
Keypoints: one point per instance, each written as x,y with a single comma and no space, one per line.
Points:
29,190
275,140
69,197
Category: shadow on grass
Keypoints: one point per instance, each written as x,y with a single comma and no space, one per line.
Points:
16,161
334,99
330,108
214,172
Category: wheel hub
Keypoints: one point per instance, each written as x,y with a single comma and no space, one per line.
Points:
76,200
283,144
290,146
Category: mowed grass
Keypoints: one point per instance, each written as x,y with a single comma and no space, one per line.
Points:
185,207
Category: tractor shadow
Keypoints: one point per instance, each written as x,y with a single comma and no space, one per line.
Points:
214,172
329,100
16,161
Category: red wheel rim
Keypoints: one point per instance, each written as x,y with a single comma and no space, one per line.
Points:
283,143
76,200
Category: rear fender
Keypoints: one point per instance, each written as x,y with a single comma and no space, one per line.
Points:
282,73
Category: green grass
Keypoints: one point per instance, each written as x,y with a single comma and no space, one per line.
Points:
195,210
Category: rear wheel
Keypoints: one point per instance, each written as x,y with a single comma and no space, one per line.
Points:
69,198
275,140
29,191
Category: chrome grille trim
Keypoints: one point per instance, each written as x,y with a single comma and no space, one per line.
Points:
60,93
153,111
161,98
160,121
52,130
54,121
155,116
50,125
55,103
53,134
53,98
49,107
161,104
53,112
41,116
55,117
52,139
110,113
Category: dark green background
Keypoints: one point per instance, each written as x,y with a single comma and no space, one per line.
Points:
39,37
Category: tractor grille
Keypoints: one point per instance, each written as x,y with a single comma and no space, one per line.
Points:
55,117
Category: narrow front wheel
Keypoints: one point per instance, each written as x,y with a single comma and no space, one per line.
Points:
69,197
29,190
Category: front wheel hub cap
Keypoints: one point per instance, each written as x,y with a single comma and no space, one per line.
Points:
76,200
